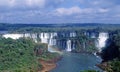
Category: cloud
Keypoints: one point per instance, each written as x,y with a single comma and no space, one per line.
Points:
68,11
58,10
23,5
39,3
71,11
11,3
79,11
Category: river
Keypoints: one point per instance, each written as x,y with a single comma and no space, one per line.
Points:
76,62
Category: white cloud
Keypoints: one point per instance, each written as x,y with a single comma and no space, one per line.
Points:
68,11
28,3
39,3
6,2
71,11
39,10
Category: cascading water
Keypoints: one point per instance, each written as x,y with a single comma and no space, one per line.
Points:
52,42
44,37
69,45
73,46
102,40
34,37
13,36
72,34
49,38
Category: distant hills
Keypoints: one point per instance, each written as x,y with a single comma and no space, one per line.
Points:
7,26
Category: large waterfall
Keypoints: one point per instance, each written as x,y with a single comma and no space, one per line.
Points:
61,40
49,38
102,40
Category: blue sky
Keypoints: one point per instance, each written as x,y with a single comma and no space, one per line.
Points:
59,11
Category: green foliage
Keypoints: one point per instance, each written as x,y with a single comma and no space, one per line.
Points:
89,71
17,55
115,66
84,43
41,51
22,55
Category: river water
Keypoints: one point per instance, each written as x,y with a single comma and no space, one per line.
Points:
76,62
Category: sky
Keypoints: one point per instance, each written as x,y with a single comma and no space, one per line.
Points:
59,11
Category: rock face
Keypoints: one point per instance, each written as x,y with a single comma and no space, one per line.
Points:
64,40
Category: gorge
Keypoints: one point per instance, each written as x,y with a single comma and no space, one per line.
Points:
78,47
67,42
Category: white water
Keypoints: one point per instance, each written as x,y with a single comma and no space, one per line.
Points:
68,45
72,34
102,40
44,37
93,35
52,41
13,36
17,36
47,38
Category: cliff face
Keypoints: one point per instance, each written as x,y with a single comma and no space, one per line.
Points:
69,41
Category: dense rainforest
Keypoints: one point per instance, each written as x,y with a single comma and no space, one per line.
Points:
22,55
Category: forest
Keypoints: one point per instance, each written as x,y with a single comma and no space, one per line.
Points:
57,27
22,55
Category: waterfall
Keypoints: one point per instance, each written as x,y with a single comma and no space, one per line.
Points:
68,45
53,43
13,36
72,34
93,35
44,37
72,45
102,40
34,37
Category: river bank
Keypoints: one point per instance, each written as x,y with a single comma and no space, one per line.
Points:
48,65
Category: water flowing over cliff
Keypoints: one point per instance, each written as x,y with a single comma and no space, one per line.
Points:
102,40
69,45
67,41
